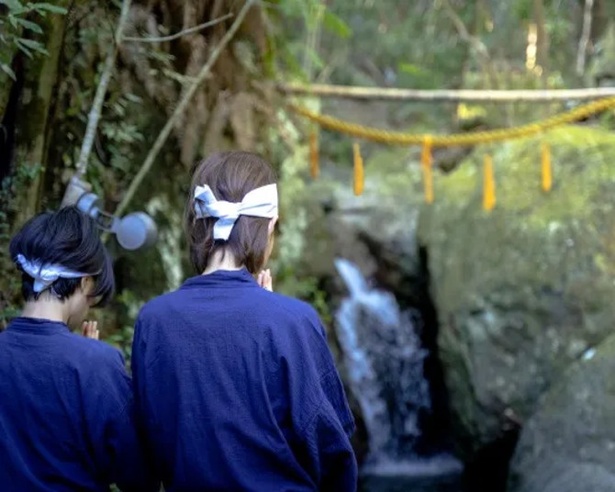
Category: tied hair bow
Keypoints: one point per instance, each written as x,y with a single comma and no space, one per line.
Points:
260,202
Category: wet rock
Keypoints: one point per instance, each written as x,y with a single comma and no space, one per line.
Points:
568,445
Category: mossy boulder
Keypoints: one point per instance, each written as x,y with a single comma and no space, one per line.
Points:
569,443
524,290
376,230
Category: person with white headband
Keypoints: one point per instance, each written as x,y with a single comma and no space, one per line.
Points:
66,404
235,384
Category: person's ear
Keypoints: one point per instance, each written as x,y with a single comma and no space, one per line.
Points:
86,284
271,227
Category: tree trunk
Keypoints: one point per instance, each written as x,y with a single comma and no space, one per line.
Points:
35,116
542,42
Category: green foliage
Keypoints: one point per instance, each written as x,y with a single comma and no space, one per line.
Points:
336,25
307,288
295,34
391,42
10,283
603,66
16,28
121,338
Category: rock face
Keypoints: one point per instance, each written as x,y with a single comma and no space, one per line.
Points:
525,290
569,443
376,230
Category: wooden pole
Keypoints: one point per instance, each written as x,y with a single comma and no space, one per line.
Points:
391,94
101,91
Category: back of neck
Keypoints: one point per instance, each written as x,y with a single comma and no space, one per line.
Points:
222,260
46,308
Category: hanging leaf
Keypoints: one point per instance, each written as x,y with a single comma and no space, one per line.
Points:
23,48
32,26
13,5
8,70
48,7
336,25
33,45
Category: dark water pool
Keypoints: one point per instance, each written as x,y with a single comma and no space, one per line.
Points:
438,474
393,484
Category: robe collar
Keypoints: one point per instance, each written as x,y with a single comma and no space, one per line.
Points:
37,326
222,278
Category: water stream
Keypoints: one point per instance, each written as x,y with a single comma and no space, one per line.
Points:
384,359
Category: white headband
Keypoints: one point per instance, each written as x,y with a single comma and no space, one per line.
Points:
261,202
46,274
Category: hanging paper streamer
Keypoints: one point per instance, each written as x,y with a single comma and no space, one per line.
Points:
426,162
359,174
546,170
314,164
488,184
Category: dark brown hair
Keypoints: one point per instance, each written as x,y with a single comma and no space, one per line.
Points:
69,238
230,175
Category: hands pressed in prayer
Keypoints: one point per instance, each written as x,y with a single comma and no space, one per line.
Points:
90,329
264,280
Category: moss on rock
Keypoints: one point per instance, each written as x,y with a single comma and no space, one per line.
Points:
523,290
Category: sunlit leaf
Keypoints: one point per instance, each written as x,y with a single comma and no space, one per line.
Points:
411,69
336,25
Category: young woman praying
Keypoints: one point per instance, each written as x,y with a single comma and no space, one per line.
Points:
66,406
236,384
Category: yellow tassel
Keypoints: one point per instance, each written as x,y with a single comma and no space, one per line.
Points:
359,173
547,175
314,164
488,184
426,162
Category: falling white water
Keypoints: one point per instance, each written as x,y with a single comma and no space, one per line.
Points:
384,362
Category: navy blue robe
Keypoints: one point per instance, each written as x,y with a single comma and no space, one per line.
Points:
66,413
238,390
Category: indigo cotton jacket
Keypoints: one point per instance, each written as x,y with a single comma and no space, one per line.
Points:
238,390
66,413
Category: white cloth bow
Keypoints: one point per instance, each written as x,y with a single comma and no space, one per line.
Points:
45,274
260,202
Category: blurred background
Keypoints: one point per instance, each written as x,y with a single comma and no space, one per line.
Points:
474,333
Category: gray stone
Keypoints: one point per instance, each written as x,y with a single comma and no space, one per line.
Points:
521,291
568,445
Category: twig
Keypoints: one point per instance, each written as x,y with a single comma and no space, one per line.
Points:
585,36
168,127
171,37
101,90
492,96
475,44
463,32
312,36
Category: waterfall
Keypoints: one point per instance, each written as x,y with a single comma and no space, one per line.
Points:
384,361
